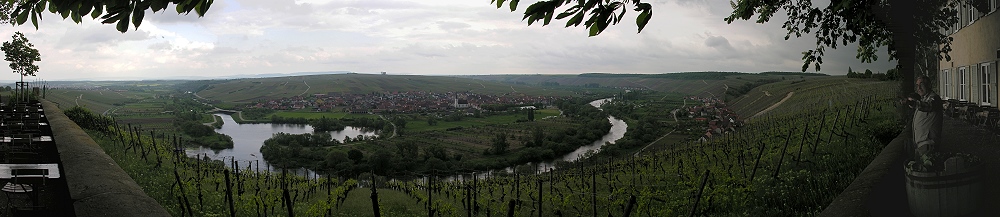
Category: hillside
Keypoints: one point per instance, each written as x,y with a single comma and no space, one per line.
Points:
702,84
801,93
253,89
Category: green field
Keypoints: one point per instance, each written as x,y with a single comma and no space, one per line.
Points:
672,84
250,90
420,125
317,115
763,169
807,93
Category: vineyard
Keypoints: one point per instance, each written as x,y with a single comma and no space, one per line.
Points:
792,161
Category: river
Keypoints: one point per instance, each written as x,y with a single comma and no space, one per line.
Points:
248,138
618,129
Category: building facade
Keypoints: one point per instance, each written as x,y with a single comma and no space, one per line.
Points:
971,75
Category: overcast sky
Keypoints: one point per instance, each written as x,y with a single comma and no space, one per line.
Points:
428,37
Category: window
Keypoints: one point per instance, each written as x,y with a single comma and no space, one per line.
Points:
972,14
962,89
985,91
946,78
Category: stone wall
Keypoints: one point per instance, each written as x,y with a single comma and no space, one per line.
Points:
97,185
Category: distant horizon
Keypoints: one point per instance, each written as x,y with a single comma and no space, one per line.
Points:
292,74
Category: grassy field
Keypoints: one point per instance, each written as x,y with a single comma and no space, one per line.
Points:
816,90
697,87
148,105
420,124
785,162
249,90
317,115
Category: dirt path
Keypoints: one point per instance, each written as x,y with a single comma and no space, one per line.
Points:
214,119
307,88
654,142
789,95
393,126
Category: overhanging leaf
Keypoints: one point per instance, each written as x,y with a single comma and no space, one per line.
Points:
641,20
22,16
123,24
98,10
137,17
34,19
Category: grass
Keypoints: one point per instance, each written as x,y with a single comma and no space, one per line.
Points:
318,115
421,125
249,90
702,88
813,87
662,185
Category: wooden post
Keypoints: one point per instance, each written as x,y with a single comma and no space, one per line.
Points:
284,193
753,172
802,142
539,198
430,198
819,132
630,206
704,180
229,195
783,149
510,208
374,197
593,191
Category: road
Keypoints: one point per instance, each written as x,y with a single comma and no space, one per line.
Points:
654,142
393,126
789,95
303,92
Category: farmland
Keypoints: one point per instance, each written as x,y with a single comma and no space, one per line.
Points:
792,159
257,89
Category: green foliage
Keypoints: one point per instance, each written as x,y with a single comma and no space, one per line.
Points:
87,119
794,73
499,144
675,75
297,150
598,14
22,55
740,90
865,22
109,11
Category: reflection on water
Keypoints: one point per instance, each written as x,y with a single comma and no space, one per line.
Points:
248,138
618,129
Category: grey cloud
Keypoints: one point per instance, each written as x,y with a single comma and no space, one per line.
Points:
718,42
91,36
448,25
160,46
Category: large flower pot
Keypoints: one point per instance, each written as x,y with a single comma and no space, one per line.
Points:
957,190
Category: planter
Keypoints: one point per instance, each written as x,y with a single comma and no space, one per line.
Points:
957,190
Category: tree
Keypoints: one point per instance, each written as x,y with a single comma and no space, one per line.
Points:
868,73
355,156
910,29
531,114
22,55
599,14
109,11
432,121
500,144
538,137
